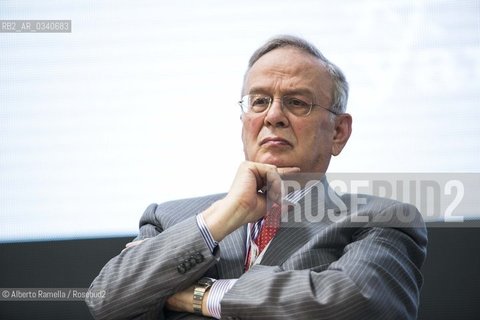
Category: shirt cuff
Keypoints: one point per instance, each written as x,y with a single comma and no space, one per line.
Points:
215,296
207,236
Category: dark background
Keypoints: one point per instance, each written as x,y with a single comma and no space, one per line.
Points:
451,289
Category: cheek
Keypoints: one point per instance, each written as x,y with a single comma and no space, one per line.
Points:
313,137
250,129
305,134
249,138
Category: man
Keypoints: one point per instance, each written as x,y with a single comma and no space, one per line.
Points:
362,263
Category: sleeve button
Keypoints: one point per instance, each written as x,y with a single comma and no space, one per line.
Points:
198,257
181,268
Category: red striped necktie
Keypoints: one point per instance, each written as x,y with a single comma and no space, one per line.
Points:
270,226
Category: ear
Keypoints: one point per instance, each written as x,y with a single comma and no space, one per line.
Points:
343,130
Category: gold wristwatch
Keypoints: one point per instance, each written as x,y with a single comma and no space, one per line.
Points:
202,286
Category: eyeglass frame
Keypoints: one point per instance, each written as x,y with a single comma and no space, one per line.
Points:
271,99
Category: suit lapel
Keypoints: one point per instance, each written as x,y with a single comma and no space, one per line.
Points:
287,241
296,232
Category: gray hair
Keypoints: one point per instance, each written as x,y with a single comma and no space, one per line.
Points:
340,84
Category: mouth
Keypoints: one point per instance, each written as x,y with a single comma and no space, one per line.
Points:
275,142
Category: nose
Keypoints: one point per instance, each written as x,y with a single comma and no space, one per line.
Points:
275,116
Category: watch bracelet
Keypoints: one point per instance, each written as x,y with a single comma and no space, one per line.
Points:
198,295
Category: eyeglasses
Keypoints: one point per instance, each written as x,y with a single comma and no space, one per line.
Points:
295,104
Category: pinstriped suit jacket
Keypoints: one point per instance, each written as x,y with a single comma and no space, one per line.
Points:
363,265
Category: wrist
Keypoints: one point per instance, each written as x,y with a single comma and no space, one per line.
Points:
200,295
222,218
205,310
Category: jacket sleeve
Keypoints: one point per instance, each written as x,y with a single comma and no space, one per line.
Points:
137,282
377,276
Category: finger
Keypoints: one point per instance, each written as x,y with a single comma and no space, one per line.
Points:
285,171
269,179
132,244
274,187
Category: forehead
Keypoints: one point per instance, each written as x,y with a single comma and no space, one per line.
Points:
288,69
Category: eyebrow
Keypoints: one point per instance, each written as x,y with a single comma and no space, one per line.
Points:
257,90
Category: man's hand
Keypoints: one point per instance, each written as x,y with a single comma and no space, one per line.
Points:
132,244
247,199
183,302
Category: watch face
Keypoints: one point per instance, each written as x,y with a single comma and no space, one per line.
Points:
206,281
